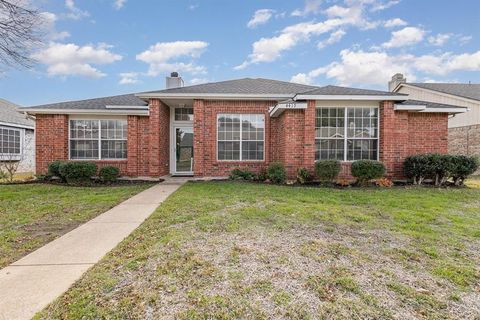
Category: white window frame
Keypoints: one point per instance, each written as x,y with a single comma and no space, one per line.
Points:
13,156
345,134
241,139
99,139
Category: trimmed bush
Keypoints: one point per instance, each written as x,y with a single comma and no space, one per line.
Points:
303,176
439,168
327,170
276,172
242,174
78,172
261,176
366,170
54,169
109,173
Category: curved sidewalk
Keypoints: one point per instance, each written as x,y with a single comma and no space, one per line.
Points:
31,283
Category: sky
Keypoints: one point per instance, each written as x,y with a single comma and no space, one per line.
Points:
96,48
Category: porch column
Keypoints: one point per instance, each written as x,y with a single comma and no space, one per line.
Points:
159,138
198,138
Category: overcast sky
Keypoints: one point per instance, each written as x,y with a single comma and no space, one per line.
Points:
107,47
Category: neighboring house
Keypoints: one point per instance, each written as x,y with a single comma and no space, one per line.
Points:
17,138
463,129
207,130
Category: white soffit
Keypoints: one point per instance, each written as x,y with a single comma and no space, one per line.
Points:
287,105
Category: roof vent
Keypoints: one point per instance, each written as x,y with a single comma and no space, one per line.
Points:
174,81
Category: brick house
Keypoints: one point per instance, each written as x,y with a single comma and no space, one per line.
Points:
207,130
464,128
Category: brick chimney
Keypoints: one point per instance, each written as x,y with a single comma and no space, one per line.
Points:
396,80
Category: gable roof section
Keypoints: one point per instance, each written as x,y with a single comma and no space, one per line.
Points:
345,93
10,115
122,104
246,86
464,90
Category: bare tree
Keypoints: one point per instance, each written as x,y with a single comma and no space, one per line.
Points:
19,33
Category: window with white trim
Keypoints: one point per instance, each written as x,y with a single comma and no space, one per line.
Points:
98,139
240,137
346,134
10,141
183,114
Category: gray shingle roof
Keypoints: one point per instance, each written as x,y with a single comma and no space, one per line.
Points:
96,104
429,104
242,86
336,90
465,90
9,113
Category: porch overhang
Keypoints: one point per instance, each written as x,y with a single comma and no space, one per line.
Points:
287,105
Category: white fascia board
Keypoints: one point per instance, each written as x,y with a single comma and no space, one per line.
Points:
409,107
89,111
14,125
445,110
351,97
287,105
128,107
214,96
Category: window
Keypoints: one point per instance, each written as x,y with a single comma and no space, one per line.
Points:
10,141
240,137
346,134
98,139
183,114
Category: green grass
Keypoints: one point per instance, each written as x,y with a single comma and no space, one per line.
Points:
33,214
236,250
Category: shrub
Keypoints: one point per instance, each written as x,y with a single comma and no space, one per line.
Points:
78,172
366,170
54,169
303,176
327,170
261,175
384,182
276,172
242,174
463,167
109,173
439,168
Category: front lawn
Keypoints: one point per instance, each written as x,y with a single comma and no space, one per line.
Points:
226,250
33,214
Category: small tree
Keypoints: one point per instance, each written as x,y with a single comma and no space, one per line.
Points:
10,162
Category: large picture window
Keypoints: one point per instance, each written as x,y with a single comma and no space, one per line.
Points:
346,134
98,139
10,141
241,137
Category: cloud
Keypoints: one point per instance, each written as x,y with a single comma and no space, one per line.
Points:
464,39
377,67
335,36
118,4
74,12
129,78
73,60
397,22
198,81
440,39
164,57
271,49
47,26
382,5
405,37
311,6
192,7
260,17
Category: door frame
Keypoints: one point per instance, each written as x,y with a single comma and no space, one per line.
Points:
174,150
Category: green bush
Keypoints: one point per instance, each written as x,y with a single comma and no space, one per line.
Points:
303,176
242,174
366,170
109,173
261,176
54,169
276,172
78,172
327,170
439,168
463,167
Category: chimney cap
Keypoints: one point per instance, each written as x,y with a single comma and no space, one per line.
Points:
174,74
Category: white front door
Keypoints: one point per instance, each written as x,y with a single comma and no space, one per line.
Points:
183,150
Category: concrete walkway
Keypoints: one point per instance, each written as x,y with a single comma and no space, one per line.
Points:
31,283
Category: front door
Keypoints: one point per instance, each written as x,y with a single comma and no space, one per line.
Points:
184,150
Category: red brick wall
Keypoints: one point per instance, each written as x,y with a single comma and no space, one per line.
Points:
205,135
159,138
51,140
